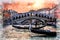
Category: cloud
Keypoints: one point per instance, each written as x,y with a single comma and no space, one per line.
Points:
10,1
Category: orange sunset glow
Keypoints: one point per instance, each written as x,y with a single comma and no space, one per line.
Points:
26,6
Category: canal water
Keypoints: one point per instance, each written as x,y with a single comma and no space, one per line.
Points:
2,37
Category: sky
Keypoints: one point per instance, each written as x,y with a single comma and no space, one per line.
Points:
25,5
9,1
